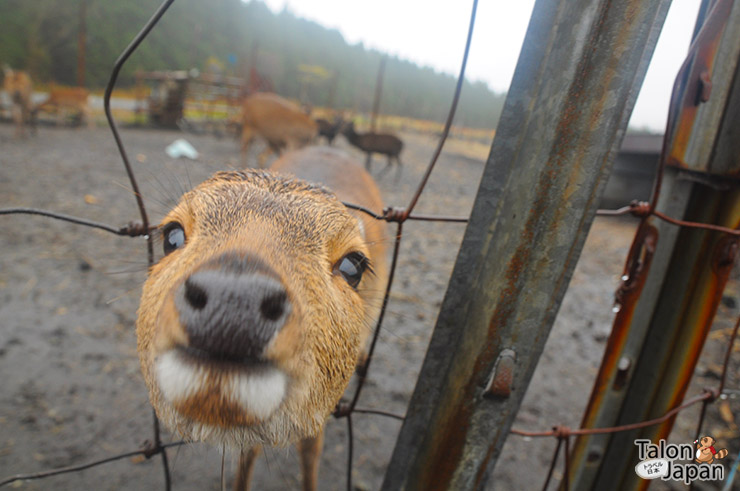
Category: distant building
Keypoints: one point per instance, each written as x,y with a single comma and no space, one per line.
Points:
634,170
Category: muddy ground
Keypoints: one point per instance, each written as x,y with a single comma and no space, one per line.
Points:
71,387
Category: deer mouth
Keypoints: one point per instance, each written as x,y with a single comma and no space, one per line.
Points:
222,362
217,391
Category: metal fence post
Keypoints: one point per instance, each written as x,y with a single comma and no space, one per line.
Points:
659,333
574,88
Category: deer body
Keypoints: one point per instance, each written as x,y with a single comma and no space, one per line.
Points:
280,122
250,328
17,84
370,143
68,100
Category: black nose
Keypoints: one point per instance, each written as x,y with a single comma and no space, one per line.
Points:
232,313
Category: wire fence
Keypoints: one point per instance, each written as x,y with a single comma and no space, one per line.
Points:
398,216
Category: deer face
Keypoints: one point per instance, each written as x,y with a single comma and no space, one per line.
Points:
250,326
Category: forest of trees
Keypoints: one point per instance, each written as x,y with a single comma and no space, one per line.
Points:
41,36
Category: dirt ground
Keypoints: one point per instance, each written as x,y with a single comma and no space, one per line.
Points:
71,387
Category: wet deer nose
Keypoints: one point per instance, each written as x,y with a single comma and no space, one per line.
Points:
231,315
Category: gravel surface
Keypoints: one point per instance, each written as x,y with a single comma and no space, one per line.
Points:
71,387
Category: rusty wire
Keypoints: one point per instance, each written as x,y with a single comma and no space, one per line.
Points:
159,448
399,216
563,433
644,209
130,230
378,412
391,214
558,431
148,451
553,463
450,116
112,122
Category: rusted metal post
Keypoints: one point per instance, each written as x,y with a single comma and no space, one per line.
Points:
574,88
668,305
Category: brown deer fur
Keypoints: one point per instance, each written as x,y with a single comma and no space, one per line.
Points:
300,232
68,100
278,121
18,87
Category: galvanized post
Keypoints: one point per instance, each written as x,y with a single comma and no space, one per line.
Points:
574,88
668,309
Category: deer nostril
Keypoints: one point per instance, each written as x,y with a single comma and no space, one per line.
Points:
195,295
231,315
273,306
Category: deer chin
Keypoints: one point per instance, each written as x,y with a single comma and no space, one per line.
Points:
220,395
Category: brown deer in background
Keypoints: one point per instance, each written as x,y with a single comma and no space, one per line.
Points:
251,325
370,143
17,85
65,101
329,130
277,120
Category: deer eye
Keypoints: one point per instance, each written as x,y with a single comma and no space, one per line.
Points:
351,267
173,237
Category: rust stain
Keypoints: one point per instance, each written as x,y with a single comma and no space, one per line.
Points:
636,269
710,287
697,67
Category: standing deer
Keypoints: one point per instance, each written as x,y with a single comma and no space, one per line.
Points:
63,101
280,122
370,143
17,85
328,129
251,325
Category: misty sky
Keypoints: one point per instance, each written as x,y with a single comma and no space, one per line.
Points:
433,33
